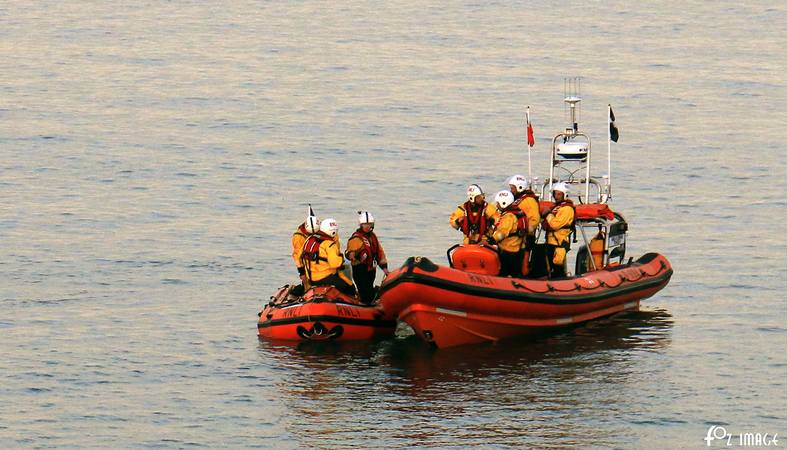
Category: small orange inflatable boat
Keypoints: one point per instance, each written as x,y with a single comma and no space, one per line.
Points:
322,314
448,306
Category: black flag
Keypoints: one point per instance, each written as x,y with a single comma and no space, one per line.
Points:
311,211
613,130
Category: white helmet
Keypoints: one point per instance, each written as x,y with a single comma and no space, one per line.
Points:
560,186
312,224
365,217
520,182
504,199
474,191
329,227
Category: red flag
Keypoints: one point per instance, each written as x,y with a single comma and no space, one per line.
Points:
531,141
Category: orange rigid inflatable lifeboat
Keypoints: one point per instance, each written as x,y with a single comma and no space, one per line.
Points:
468,302
322,314
450,307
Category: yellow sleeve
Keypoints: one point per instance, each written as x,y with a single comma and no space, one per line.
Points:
297,248
491,212
564,216
504,227
459,213
530,208
333,254
354,244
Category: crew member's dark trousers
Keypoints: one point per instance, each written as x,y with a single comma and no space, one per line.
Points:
557,271
336,280
511,263
364,281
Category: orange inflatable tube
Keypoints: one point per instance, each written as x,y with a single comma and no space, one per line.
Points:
322,314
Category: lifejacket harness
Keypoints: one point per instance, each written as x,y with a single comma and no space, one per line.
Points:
474,223
311,251
371,248
521,221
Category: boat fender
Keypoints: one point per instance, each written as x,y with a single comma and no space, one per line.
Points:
597,249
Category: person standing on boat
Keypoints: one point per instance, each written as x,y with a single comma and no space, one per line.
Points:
310,226
365,254
558,225
475,217
527,201
322,258
508,234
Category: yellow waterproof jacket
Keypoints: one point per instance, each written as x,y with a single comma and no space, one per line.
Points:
330,261
298,239
356,244
490,211
506,233
559,221
529,206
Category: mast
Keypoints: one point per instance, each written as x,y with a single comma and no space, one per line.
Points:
571,148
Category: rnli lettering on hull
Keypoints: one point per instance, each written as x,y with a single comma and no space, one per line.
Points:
347,311
343,311
291,311
480,279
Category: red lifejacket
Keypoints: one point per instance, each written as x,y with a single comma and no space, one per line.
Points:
311,248
371,248
477,224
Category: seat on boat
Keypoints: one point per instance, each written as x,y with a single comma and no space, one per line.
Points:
474,258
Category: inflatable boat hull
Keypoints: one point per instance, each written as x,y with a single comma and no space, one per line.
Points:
449,307
322,314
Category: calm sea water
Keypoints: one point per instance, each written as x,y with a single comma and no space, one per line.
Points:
156,156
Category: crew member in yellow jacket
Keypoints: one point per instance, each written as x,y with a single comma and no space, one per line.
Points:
365,253
527,202
475,217
322,258
310,226
509,232
558,225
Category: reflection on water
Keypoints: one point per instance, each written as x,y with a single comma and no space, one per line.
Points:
405,392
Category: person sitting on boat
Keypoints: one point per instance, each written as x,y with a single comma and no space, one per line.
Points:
322,259
527,201
558,225
508,234
475,217
310,226
365,254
